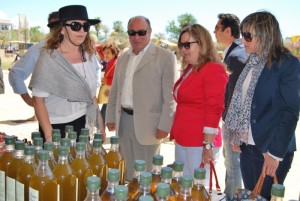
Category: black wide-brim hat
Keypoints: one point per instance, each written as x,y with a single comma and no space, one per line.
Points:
73,12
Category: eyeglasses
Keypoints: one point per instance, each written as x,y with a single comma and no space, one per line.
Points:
76,26
139,32
248,36
186,45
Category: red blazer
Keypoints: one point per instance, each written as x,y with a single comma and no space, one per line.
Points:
200,103
109,71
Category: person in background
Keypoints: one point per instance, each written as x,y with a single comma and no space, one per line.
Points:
64,81
140,106
227,32
199,94
110,53
23,68
264,109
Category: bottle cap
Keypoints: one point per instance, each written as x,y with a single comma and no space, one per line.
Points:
29,150
166,173
97,143
84,131
65,142
49,146
186,181
278,190
43,155
157,160
56,137
199,173
80,146
19,145
83,138
113,175
93,183
140,165
35,134
178,166
56,131
72,135
38,141
114,140
63,150
163,189
69,128
146,198
145,178
9,140
98,136
121,192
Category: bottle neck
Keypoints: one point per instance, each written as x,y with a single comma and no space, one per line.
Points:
73,142
111,185
275,198
199,182
9,148
19,154
162,198
80,154
43,169
185,192
145,189
97,150
177,175
63,160
156,169
93,195
114,147
56,144
137,175
29,159
167,181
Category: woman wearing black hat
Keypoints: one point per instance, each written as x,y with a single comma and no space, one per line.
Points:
64,81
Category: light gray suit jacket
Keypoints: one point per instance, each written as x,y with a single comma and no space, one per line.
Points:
153,102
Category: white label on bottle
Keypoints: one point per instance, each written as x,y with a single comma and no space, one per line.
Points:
20,194
76,189
10,189
33,194
2,185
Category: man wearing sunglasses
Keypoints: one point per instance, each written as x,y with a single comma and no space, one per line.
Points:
227,32
140,106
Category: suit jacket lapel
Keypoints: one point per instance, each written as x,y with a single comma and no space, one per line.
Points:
148,56
123,67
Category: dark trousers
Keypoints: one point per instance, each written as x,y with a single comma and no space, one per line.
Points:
252,160
78,124
103,112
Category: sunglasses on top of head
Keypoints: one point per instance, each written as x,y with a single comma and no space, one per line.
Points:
139,32
76,26
186,45
248,36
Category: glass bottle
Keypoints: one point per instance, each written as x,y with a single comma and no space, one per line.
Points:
163,192
67,143
157,163
24,174
65,176
166,177
56,137
177,174
72,135
146,198
100,137
38,146
11,175
49,146
86,132
121,193
93,186
43,185
134,184
145,185
198,190
68,128
114,159
186,182
34,135
5,162
85,139
277,192
81,169
113,178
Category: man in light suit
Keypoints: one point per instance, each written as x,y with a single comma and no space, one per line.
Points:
141,106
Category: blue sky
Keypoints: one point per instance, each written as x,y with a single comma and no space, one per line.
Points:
160,12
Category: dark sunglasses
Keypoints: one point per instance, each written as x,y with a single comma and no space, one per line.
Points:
139,32
247,36
186,45
76,26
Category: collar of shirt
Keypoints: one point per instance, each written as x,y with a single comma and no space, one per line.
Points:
142,52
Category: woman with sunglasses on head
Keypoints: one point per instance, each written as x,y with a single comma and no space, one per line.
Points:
199,94
264,110
64,81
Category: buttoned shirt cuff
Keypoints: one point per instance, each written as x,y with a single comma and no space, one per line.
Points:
210,131
275,157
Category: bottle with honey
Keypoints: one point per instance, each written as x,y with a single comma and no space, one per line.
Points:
157,163
186,182
177,174
68,128
163,192
93,186
81,169
34,135
38,146
277,192
113,178
166,177
121,193
49,146
134,184
86,132
56,138
65,176
24,174
43,185
67,143
198,190
72,135
11,175
100,137
114,159
5,162
145,186
85,139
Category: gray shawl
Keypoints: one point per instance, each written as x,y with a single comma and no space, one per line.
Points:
55,75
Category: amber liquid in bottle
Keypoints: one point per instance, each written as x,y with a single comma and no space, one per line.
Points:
157,163
133,188
175,185
199,193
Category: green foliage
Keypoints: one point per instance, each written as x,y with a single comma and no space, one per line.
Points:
98,27
118,27
36,35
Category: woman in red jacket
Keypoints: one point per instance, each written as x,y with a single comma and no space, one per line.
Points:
199,94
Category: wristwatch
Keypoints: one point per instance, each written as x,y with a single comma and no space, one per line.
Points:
208,145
